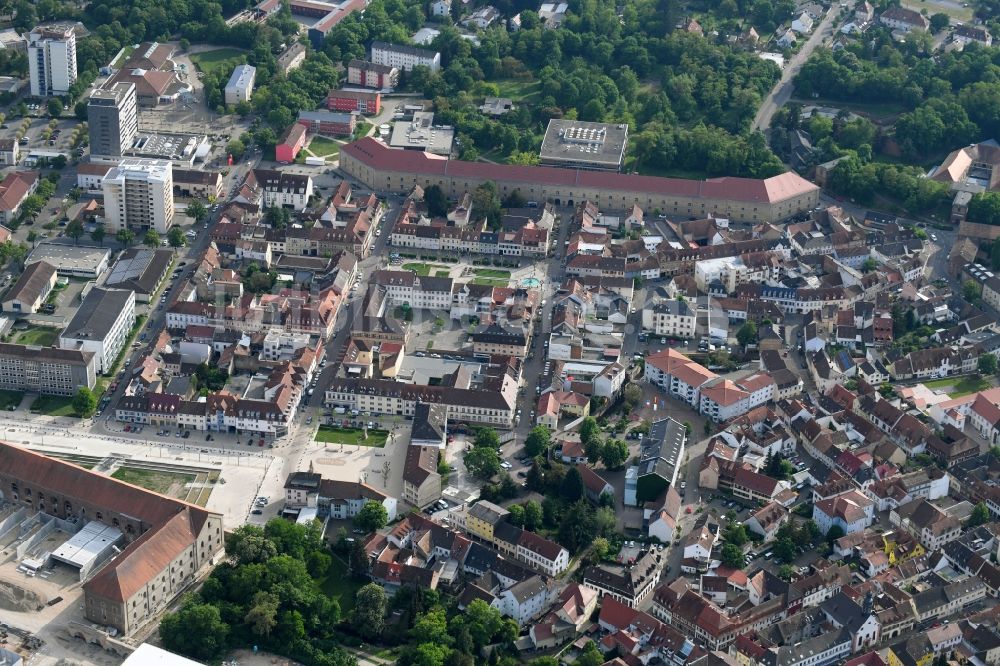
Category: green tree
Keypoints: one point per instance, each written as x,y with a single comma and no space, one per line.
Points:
631,396
75,231
538,441
487,438
979,516
84,402
80,110
600,548
358,560
176,237
987,364
197,211
591,656
429,654
785,550
736,534
731,556
786,572
32,237
97,235
869,265
432,627
971,291
589,430
196,631
369,611
532,515
262,616
55,107
605,520
572,485
747,333
237,149
577,528
436,201
614,454
125,236
939,21
834,533
483,622
482,462
372,517
516,516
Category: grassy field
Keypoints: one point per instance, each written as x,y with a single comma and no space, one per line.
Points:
225,59
9,400
53,405
320,146
332,435
519,91
952,8
491,273
490,282
956,388
423,270
43,337
442,273
339,586
362,129
165,483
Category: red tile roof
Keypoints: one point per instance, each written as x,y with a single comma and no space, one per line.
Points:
770,190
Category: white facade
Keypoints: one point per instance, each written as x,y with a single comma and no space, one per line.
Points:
51,60
525,600
674,318
139,195
240,86
551,566
107,347
404,57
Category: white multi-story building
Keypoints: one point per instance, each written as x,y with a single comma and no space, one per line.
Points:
526,600
674,318
852,511
101,326
404,57
139,195
240,85
282,189
51,60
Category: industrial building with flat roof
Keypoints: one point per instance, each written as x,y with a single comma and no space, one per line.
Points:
79,261
422,134
738,199
140,270
583,145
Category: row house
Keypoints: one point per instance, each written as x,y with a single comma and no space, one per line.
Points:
289,310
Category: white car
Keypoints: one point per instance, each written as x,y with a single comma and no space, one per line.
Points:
505,465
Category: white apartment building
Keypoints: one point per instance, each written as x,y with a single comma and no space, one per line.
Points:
112,120
282,189
404,57
674,318
139,195
240,85
723,399
101,326
525,600
51,60
282,345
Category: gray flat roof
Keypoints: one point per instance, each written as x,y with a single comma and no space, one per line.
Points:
139,269
576,142
69,257
98,313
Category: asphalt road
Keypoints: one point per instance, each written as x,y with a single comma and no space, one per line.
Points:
782,91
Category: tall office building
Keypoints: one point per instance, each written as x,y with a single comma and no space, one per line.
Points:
139,195
113,121
51,60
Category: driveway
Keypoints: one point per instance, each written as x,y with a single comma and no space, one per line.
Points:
782,91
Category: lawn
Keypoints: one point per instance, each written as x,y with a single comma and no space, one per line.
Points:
490,282
165,483
321,146
225,59
423,270
442,273
9,400
952,9
333,435
519,91
53,405
491,273
362,129
961,386
339,586
43,337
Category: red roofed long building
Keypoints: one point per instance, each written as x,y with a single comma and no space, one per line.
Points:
740,199
165,542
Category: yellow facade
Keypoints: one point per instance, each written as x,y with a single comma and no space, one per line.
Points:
479,528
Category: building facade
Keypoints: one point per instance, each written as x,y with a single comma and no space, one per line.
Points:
139,195
51,60
101,326
112,120
240,85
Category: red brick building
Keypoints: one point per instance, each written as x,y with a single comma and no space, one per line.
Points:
348,101
291,143
328,123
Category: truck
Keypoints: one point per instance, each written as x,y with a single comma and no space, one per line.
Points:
315,161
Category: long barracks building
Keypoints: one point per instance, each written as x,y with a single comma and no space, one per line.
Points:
740,199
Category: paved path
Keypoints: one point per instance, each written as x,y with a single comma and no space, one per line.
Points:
782,91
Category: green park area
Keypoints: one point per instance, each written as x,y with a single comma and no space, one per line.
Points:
224,59
41,336
423,270
355,436
53,405
159,481
321,146
9,400
959,386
